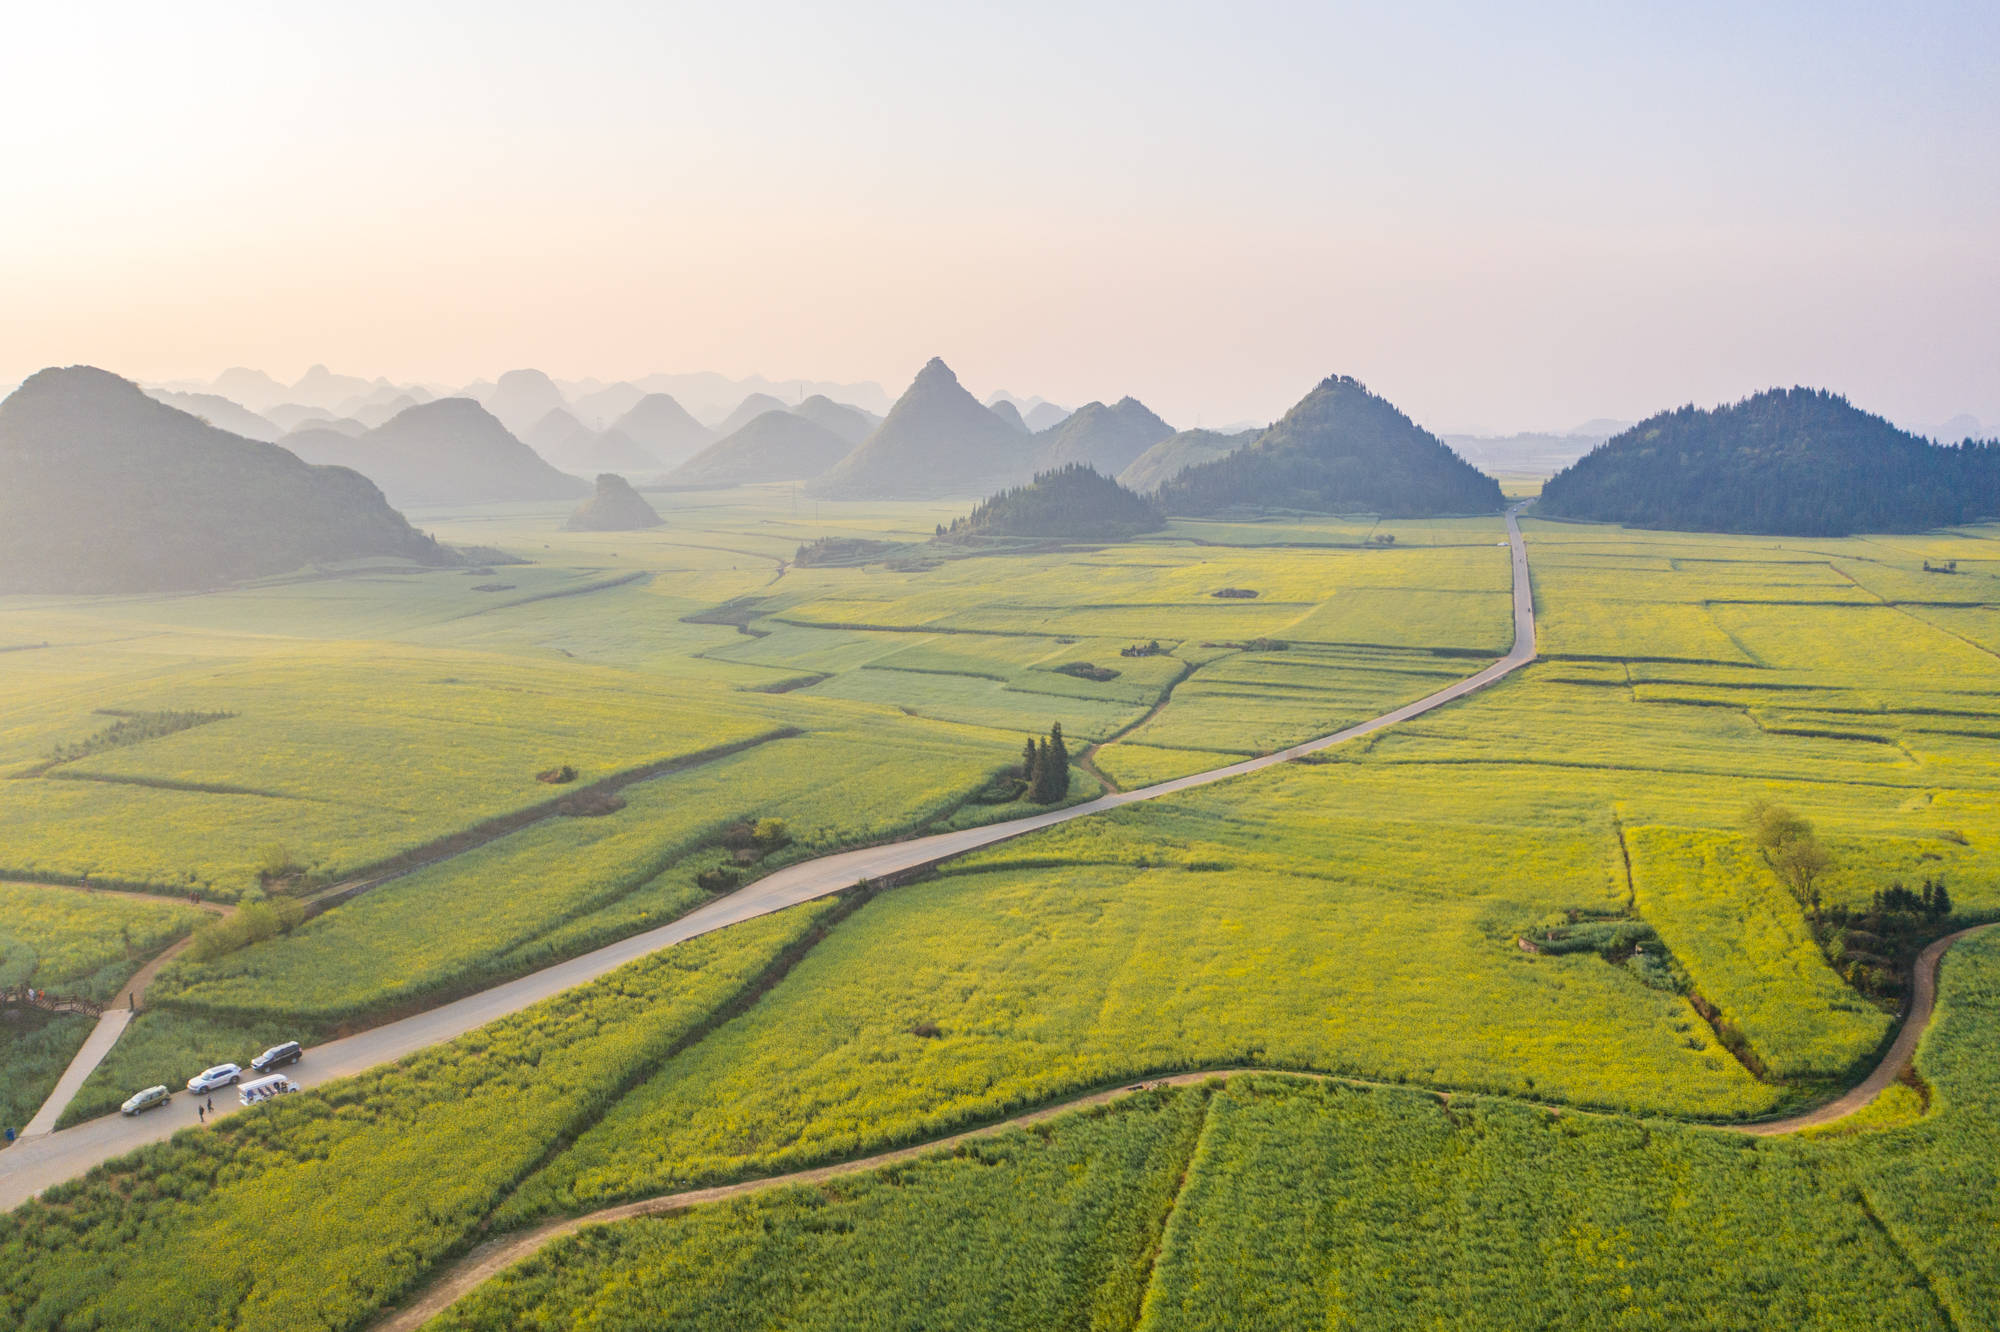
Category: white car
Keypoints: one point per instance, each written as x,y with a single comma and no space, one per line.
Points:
145,1100
210,1078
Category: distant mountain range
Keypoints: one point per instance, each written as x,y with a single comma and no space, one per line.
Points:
574,447
1342,449
1108,439
776,446
749,410
850,423
103,489
452,451
662,427
938,440
1795,462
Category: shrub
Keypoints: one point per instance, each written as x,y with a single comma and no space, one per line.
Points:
557,776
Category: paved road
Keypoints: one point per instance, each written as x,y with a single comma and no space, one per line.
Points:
34,1164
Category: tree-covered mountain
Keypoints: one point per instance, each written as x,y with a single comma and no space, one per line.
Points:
102,489
1798,462
1176,453
777,446
1108,439
615,507
1341,449
937,440
661,426
1072,503
850,423
451,451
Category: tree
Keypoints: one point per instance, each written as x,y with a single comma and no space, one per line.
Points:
1771,826
1790,847
1800,863
1028,760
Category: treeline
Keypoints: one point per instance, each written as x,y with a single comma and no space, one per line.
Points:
1073,503
1796,462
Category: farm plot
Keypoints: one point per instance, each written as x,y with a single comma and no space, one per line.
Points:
1028,1230
1165,938
315,1210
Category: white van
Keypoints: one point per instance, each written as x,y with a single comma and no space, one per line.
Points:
263,1089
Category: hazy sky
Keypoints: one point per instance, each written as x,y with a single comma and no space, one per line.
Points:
1502,216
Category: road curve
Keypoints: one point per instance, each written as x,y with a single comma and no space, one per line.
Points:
34,1164
488,1260
1923,998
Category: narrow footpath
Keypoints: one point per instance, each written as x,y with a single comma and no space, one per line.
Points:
496,1255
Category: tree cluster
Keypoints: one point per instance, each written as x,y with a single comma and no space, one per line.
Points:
1798,462
1072,503
1045,767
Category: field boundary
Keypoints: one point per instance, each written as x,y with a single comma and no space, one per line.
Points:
496,1255
60,1156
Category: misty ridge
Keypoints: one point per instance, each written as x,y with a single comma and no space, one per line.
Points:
111,487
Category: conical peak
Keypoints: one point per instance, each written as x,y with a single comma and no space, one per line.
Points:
935,371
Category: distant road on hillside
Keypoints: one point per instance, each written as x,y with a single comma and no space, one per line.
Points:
34,1164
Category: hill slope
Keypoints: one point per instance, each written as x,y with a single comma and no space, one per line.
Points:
450,451
1341,449
662,427
777,446
616,507
937,440
850,423
1108,439
1071,503
103,489
748,410
1797,462
221,413
1174,454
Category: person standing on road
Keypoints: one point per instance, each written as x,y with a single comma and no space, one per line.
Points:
211,1103
201,1115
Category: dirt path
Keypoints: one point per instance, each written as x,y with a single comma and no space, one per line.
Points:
1923,998
111,1025
489,1259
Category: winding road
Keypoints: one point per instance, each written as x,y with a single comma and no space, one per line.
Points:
37,1163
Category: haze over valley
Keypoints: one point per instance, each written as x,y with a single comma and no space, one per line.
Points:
872,668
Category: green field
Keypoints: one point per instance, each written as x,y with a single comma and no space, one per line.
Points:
1448,907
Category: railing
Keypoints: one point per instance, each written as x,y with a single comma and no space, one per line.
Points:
23,996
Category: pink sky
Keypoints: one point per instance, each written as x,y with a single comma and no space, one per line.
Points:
1500,225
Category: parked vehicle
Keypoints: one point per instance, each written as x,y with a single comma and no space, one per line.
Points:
145,1100
210,1078
277,1057
263,1089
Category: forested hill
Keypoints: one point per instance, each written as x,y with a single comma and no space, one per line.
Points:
1072,503
1795,462
1340,450
102,489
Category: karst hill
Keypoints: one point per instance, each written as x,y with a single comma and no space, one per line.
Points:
103,489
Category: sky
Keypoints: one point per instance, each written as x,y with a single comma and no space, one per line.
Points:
1500,217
